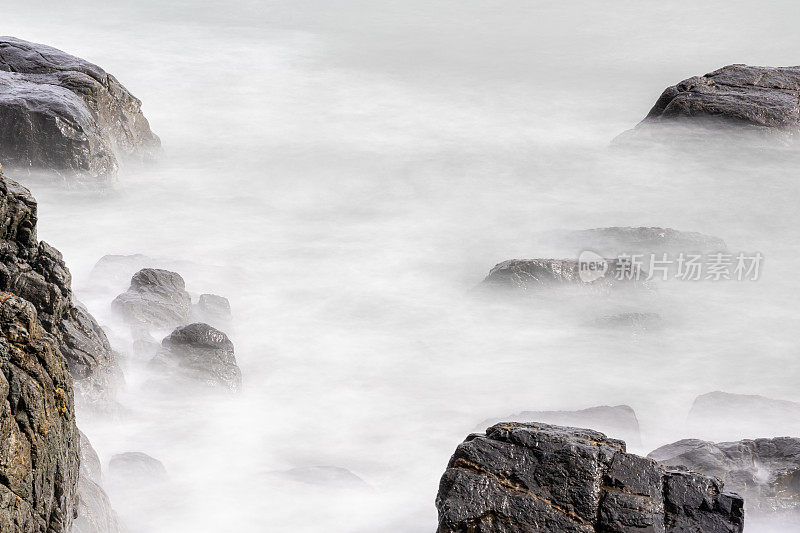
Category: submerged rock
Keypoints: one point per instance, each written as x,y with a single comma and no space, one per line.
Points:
535,477
329,476
137,467
531,274
614,241
200,354
36,272
156,299
39,457
725,416
214,309
763,97
95,514
61,113
617,420
765,471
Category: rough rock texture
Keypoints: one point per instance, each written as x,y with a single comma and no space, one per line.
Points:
137,466
531,274
214,309
615,420
36,271
95,514
39,441
200,354
764,97
524,478
725,416
61,113
156,299
765,471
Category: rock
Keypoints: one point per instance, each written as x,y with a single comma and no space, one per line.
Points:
200,354
63,114
115,271
95,514
137,467
36,272
637,322
156,299
532,274
760,97
617,420
214,309
536,477
615,241
330,476
765,471
725,416
39,457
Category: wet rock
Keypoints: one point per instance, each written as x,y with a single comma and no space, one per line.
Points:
766,472
613,420
39,457
95,514
725,416
536,477
200,354
761,97
155,299
61,113
36,272
137,467
214,309
533,274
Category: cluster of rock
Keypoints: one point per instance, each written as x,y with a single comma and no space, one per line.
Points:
536,477
61,113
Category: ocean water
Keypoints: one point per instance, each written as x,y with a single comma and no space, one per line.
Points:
346,173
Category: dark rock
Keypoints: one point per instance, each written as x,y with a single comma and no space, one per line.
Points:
763,97
617,420
533,274
534,477
39,457
725,416
200,354
36,272
64,114
156,298
137,467
765,471
95,514
214,309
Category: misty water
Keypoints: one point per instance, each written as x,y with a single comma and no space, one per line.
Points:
347,172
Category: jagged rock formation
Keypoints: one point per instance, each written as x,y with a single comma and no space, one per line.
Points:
532,274
765,471
39,457
63,114
533,477
763,97
200,354
36,272
613,420
156,299
95,514
725,416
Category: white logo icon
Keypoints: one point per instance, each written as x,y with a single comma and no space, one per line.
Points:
591,266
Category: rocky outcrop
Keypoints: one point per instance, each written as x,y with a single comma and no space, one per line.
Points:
725,416
534,477
95,514
156,299
765,471
759,97
531,274
36,272
200,354
613,420
61,113
39,457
